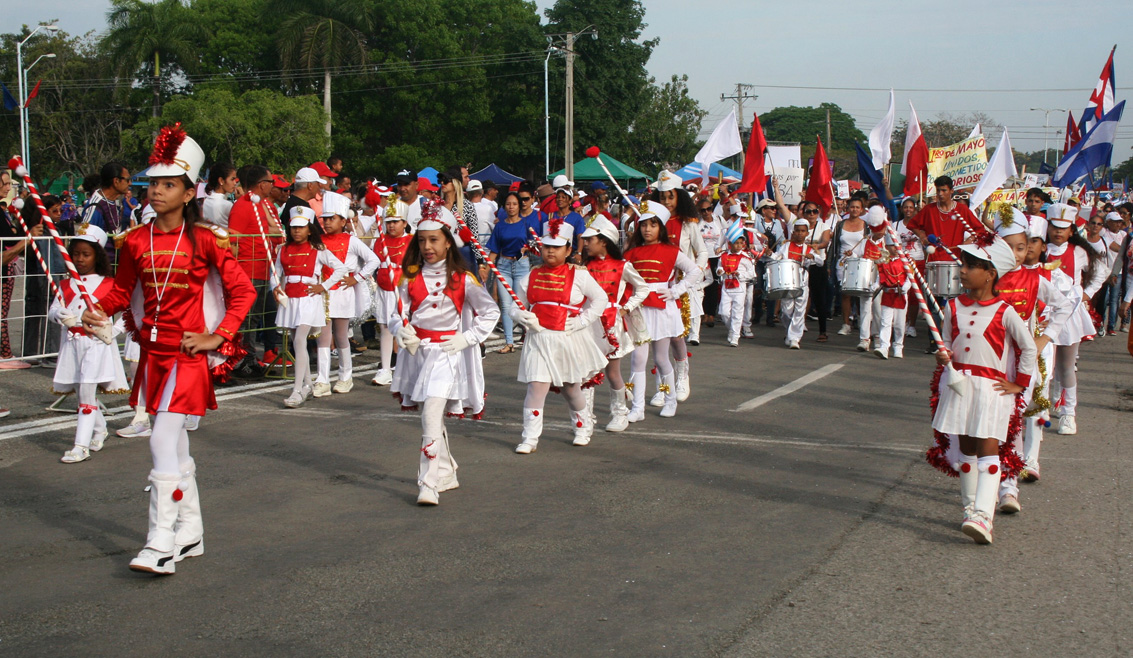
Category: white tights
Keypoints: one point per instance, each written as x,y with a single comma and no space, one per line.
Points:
660,348
537,396
302,359
614,374
387,346
87,395
341,335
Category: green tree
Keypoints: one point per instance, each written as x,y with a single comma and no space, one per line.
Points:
241,45
802,124
259,126
321,35
143,36
665,130
1123,171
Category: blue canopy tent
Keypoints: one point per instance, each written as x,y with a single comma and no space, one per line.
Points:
693,172
429,173
495,174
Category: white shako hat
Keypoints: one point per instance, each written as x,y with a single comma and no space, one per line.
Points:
175,154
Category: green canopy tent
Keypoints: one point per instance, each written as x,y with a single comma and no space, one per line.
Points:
589,169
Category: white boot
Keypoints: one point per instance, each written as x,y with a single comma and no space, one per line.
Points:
669,388
658,398
322,379
583,427
1032,441
532,430
157,556
969,477
190,538
588,395
979,527
636,388
619,412
684,388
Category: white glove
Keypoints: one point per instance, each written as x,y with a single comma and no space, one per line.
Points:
407,337
575,323
68,318
666,294
527,319
455,343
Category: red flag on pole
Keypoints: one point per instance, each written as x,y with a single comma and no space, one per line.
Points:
915,164
818,189
755,177
1073,136
34,93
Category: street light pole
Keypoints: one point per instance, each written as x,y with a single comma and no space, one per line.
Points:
568,49
26,125
551,49
21,87
1046,125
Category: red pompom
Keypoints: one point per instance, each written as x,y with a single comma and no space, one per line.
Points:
165,146
578,424
178,495
993,469
690,354
465,234
593,152
14,163
653,371
535,413
966,467
554,226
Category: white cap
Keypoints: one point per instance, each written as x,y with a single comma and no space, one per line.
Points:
1061,215
601,226
308,175
475,186
800,222
998,253
301,216
557,233
434,216
561,182
764,203
175,154
667,180
148,213
90,233
654,209
1009,220
1113,217
336,204
875,216
1036,227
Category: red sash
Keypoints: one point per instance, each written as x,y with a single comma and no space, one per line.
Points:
873,250
797,251
1020,289
608,273
673,228
395,248
655,263
892,276
548,294
730,263
1067,262
298,259
104,287
339,245
419,292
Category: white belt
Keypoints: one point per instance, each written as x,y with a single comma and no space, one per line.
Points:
658,287
576,309
299,279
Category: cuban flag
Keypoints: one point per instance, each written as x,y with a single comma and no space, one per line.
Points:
1103,99
1095,150
735,231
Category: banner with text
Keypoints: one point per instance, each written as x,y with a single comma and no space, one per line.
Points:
1018,196
789,180
964,162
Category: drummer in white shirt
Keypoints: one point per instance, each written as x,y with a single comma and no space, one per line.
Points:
798,250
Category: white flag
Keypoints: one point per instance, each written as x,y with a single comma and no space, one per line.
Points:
976,132
881,136
999,169
723,143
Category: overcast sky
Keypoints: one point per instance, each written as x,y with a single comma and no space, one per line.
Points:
828,45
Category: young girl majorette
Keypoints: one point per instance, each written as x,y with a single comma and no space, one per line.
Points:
184,275
736,269
872,247
1029,290
977,401
562,301
392,246
895,285
300,269
794,310
1073,256
658,262
625,291
86,364
445,313
347,298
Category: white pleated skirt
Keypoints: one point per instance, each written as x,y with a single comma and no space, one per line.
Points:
560,358
86,360
981,412
663,322
310,310
431,373
1078,326
385,305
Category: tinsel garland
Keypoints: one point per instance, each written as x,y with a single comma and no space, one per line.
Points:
235,353
686,314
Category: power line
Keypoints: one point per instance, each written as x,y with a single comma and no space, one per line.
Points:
919,89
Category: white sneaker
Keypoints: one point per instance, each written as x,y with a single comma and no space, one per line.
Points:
1010,504
879,354
192,423
657,400
910,332
845,330
794,345
75,455
635,416
152,561
98,440
1068,425
527,447
734,343
343,385
978,527
135,430
295,400
898,353
384,377
321,390
862,346
747,333
427,496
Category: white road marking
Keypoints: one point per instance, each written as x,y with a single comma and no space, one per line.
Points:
787,389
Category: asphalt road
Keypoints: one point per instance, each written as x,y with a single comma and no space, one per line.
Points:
806,526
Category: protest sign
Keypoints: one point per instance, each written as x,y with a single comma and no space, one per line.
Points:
843,188
1017,197
789,180
785,156
964,162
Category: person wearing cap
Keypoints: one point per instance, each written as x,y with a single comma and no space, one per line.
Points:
442,315
250,221
976,395
794,310
391,247
564,197
86,365
736,270
599,203
407,197
485,210
327,177
625,291
943,223
346,298
895,284
279,194
1030,291
559,303
871,248
305,270
658,261
1074,257
773,234
181,321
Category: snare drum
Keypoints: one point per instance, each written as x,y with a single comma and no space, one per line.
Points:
859,277
943,278
784,279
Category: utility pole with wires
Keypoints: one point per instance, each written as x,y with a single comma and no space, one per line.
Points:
741,96
564,44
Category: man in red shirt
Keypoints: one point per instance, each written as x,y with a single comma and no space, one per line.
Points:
943,219
246,225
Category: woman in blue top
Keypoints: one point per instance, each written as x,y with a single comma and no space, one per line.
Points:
507,248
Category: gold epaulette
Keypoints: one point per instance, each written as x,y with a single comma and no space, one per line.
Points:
120,238
221,234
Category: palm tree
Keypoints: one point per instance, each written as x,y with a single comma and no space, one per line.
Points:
141,32
322,34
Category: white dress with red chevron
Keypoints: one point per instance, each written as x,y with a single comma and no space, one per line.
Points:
1073,262
82,359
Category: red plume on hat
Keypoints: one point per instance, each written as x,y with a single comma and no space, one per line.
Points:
373,198
553,227
165,146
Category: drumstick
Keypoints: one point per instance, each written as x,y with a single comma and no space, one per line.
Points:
937,244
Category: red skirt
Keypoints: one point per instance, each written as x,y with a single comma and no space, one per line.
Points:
192,394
